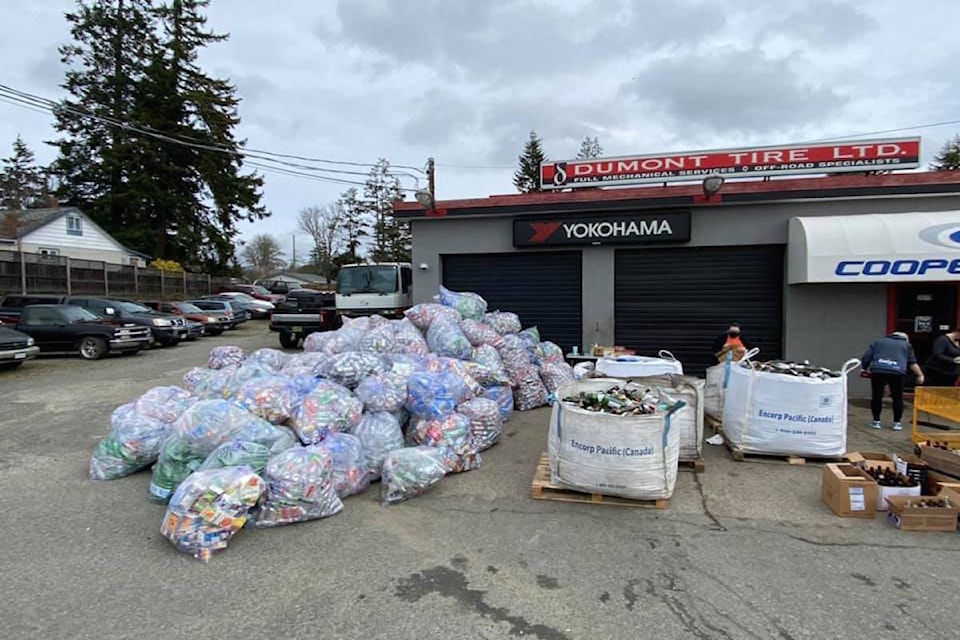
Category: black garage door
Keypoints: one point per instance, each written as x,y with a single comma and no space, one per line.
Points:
542,288
682,299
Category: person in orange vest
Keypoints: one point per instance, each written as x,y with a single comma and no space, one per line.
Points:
729,341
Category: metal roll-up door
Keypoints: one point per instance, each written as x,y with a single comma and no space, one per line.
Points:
682,299
542,288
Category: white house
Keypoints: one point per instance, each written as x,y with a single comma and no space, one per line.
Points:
63,231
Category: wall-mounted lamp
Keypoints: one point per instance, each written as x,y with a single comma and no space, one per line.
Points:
424,266
712,184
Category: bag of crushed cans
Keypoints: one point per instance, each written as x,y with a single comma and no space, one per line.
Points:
485,421
244,373
221,357
164,403
238,453
317,342
305,364
195,378
217,382
446,339
503,396
209,508
451,432
349,368
382,392
470,305
424,315
275,437
434,395
514,354
409,472
379,434
551,352
379,340
556,375
408,338
329,407
479,333
459,368
299,488
350,473
503,322
273,359
271,397
133,444
488,356
529,391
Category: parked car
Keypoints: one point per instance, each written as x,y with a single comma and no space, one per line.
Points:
305,311
167,329
258,309
214,322
255,291
232,311
278,287
15,348
69,328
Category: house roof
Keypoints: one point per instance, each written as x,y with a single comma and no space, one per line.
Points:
689,195
16,223
303,277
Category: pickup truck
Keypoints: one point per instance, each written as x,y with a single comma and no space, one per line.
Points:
68,328
305,311
166,328
15,348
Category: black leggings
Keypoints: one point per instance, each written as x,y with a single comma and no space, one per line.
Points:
878,381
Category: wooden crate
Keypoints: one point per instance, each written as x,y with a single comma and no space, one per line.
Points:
741,455
543,489
940,460
938,402
697,465
908,518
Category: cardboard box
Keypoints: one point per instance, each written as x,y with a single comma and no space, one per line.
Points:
904,515
941,460
896,492
849,491
871,459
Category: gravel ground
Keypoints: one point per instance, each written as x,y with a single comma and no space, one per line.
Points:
746,550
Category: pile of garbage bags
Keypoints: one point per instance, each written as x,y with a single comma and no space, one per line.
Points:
269,438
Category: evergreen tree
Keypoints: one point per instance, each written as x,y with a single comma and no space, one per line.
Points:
949,157
380,193
355,225
590,148
22,185
527,177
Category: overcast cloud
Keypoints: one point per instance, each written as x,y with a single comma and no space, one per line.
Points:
465,81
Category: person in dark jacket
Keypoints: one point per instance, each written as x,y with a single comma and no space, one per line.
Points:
730,340
887,360
943,367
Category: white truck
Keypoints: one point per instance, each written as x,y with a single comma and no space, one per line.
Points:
384,288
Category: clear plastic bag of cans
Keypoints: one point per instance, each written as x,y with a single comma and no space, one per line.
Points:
221,357
164,403
479,333
530,336
272,359
382,392
238,453
304,384
403,365
216,384
409,339
305,364
299,488
243,374
409,472
209,508
349,368
196,379
488,356
459,368
346,338
503,396
453,433
485,376
556,375
271,397
514,355
379,340
503,322
379,434
350,473
133,444
446,339
316,342
424,315
551,352
486,424
329,407
275,437
470,305
529,391
434,394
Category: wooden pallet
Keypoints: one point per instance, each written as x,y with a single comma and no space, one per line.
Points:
740,455
543,489
692,465
713,423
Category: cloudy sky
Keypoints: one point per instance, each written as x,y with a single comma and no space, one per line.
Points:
465,81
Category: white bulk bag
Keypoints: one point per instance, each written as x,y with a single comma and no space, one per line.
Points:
790,415
688,420
630,456
717,378
639,366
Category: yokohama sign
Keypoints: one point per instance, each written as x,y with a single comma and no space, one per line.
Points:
646,228
863,155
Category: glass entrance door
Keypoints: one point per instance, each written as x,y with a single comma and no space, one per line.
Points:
924,311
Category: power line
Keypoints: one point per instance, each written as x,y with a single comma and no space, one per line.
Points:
876,133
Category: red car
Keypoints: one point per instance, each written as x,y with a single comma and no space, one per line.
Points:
254,291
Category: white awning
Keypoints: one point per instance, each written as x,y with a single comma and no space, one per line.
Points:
890,247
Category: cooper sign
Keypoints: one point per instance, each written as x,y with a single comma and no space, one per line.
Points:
646,228
892,153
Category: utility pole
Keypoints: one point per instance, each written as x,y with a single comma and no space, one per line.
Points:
293,260
432,180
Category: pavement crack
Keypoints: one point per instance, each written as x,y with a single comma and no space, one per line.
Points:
703,504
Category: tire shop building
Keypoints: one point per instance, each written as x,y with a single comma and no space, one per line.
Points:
812,267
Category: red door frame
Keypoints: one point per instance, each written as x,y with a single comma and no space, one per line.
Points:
892,308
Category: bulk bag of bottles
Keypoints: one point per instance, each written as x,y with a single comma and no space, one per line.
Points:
767,412
639,366
688,420
632,456
718,376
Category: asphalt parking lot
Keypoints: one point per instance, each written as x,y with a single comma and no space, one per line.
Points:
746,550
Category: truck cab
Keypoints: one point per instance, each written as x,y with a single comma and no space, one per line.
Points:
384,288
